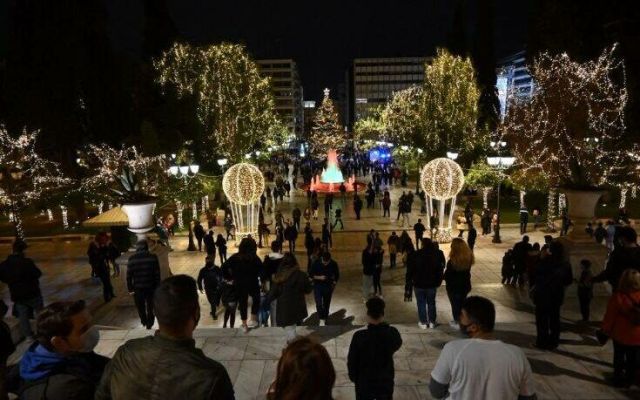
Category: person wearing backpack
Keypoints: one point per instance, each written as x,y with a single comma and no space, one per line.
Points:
621,323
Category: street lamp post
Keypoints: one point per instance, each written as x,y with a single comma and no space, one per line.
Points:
185,172
500,163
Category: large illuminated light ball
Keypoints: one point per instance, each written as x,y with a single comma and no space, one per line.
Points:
442,178
243,183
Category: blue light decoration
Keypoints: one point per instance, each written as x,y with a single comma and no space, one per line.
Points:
380,154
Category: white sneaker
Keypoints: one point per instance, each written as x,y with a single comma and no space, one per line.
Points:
322,322
454,325
432,325
422,326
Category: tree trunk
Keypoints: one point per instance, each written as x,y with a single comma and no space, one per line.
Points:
485,196
179,209
65,220
194,208
522,194
623,197
49,214
551,210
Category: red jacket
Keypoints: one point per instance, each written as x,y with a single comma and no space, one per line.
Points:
617,324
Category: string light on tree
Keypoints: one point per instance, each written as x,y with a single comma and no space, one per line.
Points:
65,219
179,211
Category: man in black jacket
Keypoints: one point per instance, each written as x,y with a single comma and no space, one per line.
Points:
626,255
143,277
425,269
520,251
325,275
370,358
210,244
167,365
61,364
23,278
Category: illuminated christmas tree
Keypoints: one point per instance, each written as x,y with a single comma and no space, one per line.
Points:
25,176
326,133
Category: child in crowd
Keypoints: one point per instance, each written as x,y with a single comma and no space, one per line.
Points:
507,267
230,302
265,306
585,289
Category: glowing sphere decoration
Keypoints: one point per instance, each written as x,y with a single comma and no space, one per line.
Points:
243,183
442,178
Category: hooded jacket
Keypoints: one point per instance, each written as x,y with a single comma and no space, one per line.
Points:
22,276
425,269
52,376
617,322
289,287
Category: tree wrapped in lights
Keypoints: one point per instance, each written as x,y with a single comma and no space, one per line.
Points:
326,133
449,109
371,128
106,163
572,127
26,177
402,116
234,103
482,176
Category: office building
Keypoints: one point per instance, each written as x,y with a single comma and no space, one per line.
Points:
373,81
287,92
513,79
310,108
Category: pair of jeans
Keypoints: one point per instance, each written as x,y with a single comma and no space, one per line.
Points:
584,297
322,294
26,309
548,325
144,303
213,296
426,301
243,301
107,288
624,361
367,286
392,259
457,300
418,241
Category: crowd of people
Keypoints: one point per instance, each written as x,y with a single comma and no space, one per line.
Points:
272,291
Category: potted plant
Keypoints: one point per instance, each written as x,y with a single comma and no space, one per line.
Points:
137,204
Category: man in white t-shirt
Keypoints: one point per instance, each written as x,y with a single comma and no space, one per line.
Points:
481,367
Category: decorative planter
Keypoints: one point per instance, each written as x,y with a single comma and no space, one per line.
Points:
140,217
581,210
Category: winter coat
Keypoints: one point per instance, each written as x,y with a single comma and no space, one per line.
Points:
331,272
211,276
620,259
457,280
289,287
552,277
143,271
617,321
209,244
270,266
425,269
368,262
22,276
179,371
370,360
48,375
244,270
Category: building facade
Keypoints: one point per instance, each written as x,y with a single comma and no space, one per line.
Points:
373,81
287,92
513,79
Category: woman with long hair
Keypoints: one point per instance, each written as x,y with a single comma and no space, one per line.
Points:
289,287
458,277
621,323
305,372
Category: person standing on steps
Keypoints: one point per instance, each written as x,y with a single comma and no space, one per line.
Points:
296,214
290,287
419,229
368,270
338,218
457,276
143,277
325,275
210,244
211,276
370,358
243,268
481,367
221,244
424,275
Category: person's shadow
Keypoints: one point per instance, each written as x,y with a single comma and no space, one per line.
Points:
337,324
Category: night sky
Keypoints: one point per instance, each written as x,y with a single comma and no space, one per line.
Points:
322,36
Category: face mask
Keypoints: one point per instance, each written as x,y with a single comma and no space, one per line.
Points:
464,329
90,340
